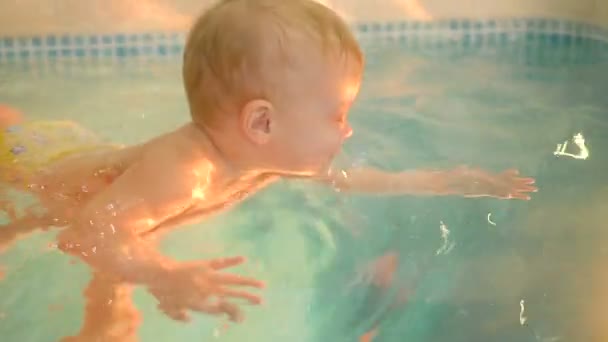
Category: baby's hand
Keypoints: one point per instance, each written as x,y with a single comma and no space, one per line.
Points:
505,185
199,286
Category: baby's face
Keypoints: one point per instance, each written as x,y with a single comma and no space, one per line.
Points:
314,115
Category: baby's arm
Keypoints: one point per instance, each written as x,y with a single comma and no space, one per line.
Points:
459,181
107,235
106,232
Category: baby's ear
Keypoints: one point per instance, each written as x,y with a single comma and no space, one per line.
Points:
256,120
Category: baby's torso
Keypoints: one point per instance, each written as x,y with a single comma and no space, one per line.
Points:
70,183
66,186
62,163
219,197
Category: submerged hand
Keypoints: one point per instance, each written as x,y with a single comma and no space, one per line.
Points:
199,286
479,183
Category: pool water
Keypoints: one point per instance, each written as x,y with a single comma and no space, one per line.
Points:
513,270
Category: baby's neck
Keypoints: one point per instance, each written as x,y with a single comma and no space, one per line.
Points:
234,160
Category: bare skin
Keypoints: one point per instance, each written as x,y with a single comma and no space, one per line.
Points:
65,188
110,188
381,274
110,312
113,205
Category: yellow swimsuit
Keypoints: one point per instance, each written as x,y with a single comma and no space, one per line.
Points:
26,148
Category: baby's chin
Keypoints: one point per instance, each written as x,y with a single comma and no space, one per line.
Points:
313,171
327,167
319,167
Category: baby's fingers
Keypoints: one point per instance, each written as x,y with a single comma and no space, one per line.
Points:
520,196
527,188
235,279
251,298
223,307
174,313
218,264
526,180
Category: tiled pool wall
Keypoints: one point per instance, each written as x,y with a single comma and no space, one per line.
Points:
469,34
100,30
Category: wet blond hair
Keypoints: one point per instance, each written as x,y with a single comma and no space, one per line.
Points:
236,47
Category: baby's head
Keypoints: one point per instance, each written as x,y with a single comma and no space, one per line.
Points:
276,77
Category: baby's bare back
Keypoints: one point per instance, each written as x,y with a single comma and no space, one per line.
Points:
63,189
67,185
70,185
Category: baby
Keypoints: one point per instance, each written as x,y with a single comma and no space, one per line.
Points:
269,85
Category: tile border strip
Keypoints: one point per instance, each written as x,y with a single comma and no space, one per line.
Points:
432,35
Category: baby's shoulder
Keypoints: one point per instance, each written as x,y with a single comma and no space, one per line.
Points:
177,154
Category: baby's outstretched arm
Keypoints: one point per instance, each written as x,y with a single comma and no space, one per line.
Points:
107,236
461,181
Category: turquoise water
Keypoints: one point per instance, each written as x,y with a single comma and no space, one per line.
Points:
494,108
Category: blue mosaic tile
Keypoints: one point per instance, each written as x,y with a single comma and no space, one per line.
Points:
50,41
441,34
37,42
79,40
120,39
106,40
7,43
65,40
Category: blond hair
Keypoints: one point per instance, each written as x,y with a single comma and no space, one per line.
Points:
236,46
